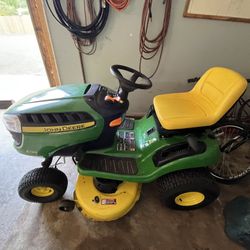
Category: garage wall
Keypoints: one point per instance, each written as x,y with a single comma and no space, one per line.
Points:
192,46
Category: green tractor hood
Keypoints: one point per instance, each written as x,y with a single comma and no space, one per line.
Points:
45,98
54,119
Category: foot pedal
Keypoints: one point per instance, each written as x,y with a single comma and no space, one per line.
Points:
99,206
109,164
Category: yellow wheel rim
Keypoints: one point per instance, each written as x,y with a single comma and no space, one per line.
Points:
189,199
42,191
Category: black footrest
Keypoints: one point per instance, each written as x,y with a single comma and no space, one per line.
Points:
109,164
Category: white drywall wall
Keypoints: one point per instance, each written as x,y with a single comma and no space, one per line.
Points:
192,46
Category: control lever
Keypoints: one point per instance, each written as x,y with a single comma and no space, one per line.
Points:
196,145
113,99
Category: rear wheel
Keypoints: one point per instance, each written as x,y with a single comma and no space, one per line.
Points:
235,161
188,189
43,185
244,113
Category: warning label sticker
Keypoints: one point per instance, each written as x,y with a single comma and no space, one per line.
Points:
108,201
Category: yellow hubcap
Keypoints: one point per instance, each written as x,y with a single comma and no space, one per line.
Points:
42,191
189,199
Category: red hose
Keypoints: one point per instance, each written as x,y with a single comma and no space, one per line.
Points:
149,47
118,4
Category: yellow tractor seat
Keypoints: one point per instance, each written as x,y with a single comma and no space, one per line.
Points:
210,99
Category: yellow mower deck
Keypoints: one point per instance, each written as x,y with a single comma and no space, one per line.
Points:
105,207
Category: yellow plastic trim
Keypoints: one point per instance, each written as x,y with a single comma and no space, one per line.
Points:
214,94
58,129
189,199
42,191
121,202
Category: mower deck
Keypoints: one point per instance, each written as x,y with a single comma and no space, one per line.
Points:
100,206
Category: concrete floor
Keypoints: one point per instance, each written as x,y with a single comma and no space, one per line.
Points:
149,225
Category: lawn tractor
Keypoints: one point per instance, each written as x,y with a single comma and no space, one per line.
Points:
114,154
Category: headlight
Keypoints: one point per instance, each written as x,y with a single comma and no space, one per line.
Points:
12,123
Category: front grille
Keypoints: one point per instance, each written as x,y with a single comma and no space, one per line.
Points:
52,119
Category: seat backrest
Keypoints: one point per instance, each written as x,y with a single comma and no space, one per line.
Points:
219,88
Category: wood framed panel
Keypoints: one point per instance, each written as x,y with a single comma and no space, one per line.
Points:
225,10
38,17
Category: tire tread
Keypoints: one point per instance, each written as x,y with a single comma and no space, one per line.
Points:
177,182
43,177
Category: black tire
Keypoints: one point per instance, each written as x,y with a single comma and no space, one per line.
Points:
234,163
43,185
67,205
192,183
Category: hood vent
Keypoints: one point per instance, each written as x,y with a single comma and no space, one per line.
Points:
52,119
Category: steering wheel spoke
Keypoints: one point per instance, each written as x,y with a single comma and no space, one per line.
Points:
129,85
134,77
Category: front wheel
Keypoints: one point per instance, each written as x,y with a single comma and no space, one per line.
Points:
43,185
234,145
188,189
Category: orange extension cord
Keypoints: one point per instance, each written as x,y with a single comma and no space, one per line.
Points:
149,47
118,4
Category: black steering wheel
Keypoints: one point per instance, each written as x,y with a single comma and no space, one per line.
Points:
130,85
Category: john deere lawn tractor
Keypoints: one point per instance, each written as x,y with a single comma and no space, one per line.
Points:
114,154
